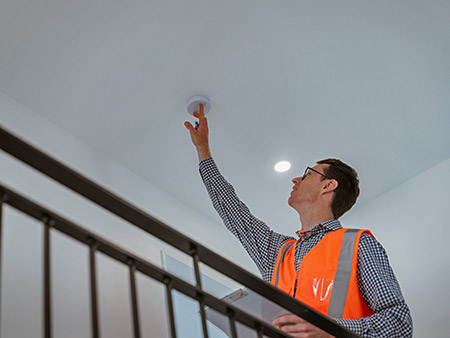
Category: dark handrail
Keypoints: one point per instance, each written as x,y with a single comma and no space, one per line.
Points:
118,206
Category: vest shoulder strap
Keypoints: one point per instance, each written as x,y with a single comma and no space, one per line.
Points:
343,273
284,249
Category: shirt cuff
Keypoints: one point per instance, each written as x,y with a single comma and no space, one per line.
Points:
208,169
353,325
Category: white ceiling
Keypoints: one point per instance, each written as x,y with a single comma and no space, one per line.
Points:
365,81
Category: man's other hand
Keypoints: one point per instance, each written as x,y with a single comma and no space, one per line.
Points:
298,327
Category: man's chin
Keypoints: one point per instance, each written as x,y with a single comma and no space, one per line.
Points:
290,201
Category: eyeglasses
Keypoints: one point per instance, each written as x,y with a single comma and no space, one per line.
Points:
309,168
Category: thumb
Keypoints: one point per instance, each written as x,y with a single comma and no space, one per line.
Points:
189,127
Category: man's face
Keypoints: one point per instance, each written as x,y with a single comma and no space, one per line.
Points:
307,188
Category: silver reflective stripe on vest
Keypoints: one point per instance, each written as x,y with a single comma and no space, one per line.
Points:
283,254
342,278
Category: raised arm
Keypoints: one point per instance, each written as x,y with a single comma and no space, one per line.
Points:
261,243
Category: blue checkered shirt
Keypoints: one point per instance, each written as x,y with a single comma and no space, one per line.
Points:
377,283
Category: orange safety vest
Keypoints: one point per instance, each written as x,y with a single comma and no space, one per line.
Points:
327,277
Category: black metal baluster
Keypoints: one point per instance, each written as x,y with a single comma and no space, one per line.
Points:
94,305
3,198
48,224
170,307
203,315
259,332
198,278
200,297
232,325
134,303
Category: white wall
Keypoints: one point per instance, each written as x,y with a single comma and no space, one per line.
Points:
412,222
22,237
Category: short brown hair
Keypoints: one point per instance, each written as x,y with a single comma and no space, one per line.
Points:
348,185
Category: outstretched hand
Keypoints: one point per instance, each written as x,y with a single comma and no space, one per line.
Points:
200,136
298,327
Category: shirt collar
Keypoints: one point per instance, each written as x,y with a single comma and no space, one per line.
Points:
326,226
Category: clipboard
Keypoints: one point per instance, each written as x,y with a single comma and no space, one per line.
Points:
250,302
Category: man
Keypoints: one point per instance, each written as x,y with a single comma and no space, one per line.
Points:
342,273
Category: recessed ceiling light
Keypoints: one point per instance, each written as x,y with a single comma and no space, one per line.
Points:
282,166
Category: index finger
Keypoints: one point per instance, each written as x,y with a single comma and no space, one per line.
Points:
201,114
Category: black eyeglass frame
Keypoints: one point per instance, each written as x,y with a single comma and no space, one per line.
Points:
318,172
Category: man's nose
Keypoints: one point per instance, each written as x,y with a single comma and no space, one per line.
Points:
296,180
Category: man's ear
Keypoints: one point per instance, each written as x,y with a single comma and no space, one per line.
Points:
330,186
